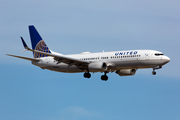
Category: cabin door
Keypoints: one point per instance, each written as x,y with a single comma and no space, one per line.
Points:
147,55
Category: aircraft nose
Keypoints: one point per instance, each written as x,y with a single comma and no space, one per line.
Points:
167,59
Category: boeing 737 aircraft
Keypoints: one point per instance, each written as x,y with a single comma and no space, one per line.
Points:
123,63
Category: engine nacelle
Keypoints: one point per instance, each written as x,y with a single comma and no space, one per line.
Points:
97,67
126,72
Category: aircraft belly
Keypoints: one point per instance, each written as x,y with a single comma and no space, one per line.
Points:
129,64
137,64
59,68
66,69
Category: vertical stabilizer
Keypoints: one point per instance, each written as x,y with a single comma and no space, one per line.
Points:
37,42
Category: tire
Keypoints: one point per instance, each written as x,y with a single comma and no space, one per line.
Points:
153,73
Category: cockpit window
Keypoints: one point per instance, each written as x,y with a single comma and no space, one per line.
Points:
158,54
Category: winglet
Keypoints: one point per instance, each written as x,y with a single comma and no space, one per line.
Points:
24,44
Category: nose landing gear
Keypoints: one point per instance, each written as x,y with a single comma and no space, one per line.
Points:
153,72
154,68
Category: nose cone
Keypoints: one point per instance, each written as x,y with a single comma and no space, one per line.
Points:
166,59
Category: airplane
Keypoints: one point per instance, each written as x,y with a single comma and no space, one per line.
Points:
123,63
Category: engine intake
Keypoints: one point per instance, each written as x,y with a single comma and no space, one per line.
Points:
126,72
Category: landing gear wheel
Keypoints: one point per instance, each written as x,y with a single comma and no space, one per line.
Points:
104,77
154,72
87,75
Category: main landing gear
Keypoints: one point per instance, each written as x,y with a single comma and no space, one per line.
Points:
87,75
104,77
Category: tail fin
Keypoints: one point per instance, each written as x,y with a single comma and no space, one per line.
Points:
37,43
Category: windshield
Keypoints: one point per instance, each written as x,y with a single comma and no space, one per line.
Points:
158,54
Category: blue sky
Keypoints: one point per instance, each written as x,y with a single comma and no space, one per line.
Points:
28,92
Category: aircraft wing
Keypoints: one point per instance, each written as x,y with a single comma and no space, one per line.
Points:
67,60
60,58
26,58
64,59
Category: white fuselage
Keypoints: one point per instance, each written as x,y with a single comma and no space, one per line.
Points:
116,60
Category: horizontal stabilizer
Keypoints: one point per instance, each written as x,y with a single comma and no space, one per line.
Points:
24,44
26,58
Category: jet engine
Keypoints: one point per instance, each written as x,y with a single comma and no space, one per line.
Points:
126,72
97,67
